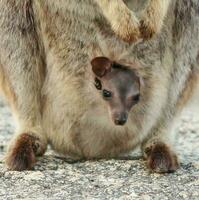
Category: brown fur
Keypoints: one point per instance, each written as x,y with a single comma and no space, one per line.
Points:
161,159
23,155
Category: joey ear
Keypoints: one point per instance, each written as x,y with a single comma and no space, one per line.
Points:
101,66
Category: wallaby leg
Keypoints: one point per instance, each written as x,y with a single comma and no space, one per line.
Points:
157,148
22,66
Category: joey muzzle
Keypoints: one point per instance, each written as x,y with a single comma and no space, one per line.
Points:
120,119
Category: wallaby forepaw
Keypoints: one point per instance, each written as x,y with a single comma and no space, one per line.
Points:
161,159
22,154
128,29
148,27
150,24
147,31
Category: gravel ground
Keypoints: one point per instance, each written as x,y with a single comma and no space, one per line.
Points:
54,178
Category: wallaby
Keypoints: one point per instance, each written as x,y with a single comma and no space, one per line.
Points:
47,74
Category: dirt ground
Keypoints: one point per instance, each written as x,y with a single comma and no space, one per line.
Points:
54,178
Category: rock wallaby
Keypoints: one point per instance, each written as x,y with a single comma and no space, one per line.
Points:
73,83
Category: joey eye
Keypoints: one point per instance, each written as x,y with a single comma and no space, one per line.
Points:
106,94
98,84
136,98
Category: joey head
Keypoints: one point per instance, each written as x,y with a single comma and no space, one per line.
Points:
119,87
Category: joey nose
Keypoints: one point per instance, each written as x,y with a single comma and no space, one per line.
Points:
120,119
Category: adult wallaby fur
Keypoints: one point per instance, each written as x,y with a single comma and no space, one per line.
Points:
45,73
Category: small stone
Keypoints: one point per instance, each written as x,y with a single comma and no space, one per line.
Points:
34,176
183,194
146,197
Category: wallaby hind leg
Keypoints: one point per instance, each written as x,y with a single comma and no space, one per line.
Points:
22,65
157,148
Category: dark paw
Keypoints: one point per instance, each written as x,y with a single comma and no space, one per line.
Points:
161,159
22,155
128,29
147,31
